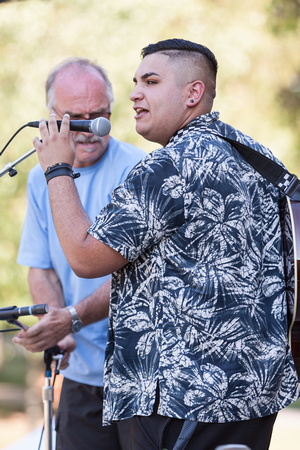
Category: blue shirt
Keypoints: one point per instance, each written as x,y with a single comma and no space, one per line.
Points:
200,309
40,248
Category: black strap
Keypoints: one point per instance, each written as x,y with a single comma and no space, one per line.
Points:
286,182
185,435
58,170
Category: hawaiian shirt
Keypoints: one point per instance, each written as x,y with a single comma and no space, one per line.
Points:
200,309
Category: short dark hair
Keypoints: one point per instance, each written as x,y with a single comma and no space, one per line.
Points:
182,45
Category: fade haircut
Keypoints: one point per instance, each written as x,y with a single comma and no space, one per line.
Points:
182,49
77,62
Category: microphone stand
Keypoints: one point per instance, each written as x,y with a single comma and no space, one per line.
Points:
47,394
10,167
10,315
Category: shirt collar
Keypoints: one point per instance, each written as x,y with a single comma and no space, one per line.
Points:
199,122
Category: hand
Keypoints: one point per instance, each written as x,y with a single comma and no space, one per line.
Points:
67,345
56,146
46,333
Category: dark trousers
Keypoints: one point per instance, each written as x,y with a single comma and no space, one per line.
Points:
79,421
157,432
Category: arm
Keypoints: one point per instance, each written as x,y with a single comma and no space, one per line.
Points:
88,257
45,287
56,325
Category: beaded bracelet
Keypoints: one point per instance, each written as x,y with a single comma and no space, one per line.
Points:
60,169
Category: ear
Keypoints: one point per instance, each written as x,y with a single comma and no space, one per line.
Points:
195,93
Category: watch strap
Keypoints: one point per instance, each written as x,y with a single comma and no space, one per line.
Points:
76,321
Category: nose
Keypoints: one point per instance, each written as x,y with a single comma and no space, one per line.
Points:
135,94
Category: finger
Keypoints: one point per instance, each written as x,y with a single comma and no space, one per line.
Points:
37,142
25,342
27,346
32,332
65,124
43,127
64,365
66,358
52,124
17,340
19,335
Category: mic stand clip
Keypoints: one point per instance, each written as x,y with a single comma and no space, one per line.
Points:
10,167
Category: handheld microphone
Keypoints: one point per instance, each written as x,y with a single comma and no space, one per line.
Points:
13,312
100,126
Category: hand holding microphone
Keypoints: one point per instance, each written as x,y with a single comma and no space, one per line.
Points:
99,126
55,146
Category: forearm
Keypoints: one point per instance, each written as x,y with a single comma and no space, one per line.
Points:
45,287
95,307
88,257
55,325
70,220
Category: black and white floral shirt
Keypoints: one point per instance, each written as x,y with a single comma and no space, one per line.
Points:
200,309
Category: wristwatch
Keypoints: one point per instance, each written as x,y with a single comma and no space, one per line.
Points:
76,322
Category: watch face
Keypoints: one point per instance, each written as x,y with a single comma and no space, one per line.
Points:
77,325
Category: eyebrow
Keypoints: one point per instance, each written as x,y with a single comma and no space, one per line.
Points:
99,111
146,75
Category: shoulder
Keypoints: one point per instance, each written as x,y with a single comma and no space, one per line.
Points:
237,135
157,165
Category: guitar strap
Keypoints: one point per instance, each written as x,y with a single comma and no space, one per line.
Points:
289,185
185,435
286,182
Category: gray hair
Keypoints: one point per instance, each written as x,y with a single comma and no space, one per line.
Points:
77,62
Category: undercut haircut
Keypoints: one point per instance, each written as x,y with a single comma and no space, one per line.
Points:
183,47
199,55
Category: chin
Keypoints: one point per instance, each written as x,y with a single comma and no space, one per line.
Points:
146,134
83,152
151,138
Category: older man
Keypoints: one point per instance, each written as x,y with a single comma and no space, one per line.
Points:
81,89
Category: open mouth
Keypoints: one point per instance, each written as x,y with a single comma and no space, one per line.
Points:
140,112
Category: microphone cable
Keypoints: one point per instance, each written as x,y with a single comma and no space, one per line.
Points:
14,135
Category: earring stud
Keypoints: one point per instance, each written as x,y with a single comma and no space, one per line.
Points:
191,101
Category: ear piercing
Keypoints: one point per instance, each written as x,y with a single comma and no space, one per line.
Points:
191,101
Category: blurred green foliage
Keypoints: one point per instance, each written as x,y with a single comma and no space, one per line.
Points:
256,44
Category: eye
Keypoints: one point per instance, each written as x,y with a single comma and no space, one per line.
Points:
151,82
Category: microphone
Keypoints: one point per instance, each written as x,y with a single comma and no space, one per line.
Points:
13,312
100,126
